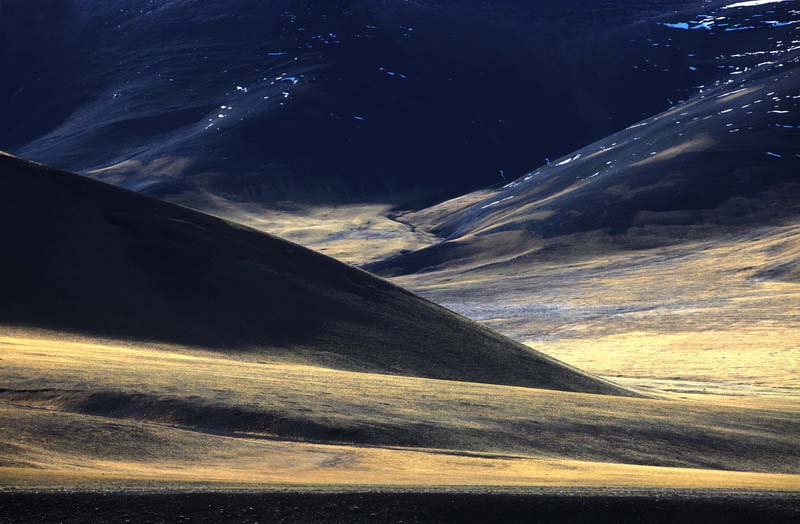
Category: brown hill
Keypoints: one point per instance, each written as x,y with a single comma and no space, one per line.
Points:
86,258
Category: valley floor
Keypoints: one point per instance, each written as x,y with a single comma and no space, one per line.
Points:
78,414
717,315
353,233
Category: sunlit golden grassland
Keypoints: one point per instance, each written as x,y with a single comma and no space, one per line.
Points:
356,233
125,454
83,413
717,315
352,233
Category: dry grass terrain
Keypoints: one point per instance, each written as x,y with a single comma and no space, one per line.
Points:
171,457
665,256
717,314
91,414
148,346
353,233
619,330
90,258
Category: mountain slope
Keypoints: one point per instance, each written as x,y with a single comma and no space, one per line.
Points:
208,370
315,120
346,99
91,259
723,160
665,255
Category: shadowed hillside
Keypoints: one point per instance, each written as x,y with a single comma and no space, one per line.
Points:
92,259
313,121
345,99
725,161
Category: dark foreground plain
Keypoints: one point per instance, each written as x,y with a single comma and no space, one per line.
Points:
313,508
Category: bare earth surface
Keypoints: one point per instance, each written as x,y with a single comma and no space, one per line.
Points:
398,508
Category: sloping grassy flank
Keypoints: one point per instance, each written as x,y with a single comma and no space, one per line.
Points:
84,257
211,393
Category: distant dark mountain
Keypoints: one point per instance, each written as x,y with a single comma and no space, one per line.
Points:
340,99
727,158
